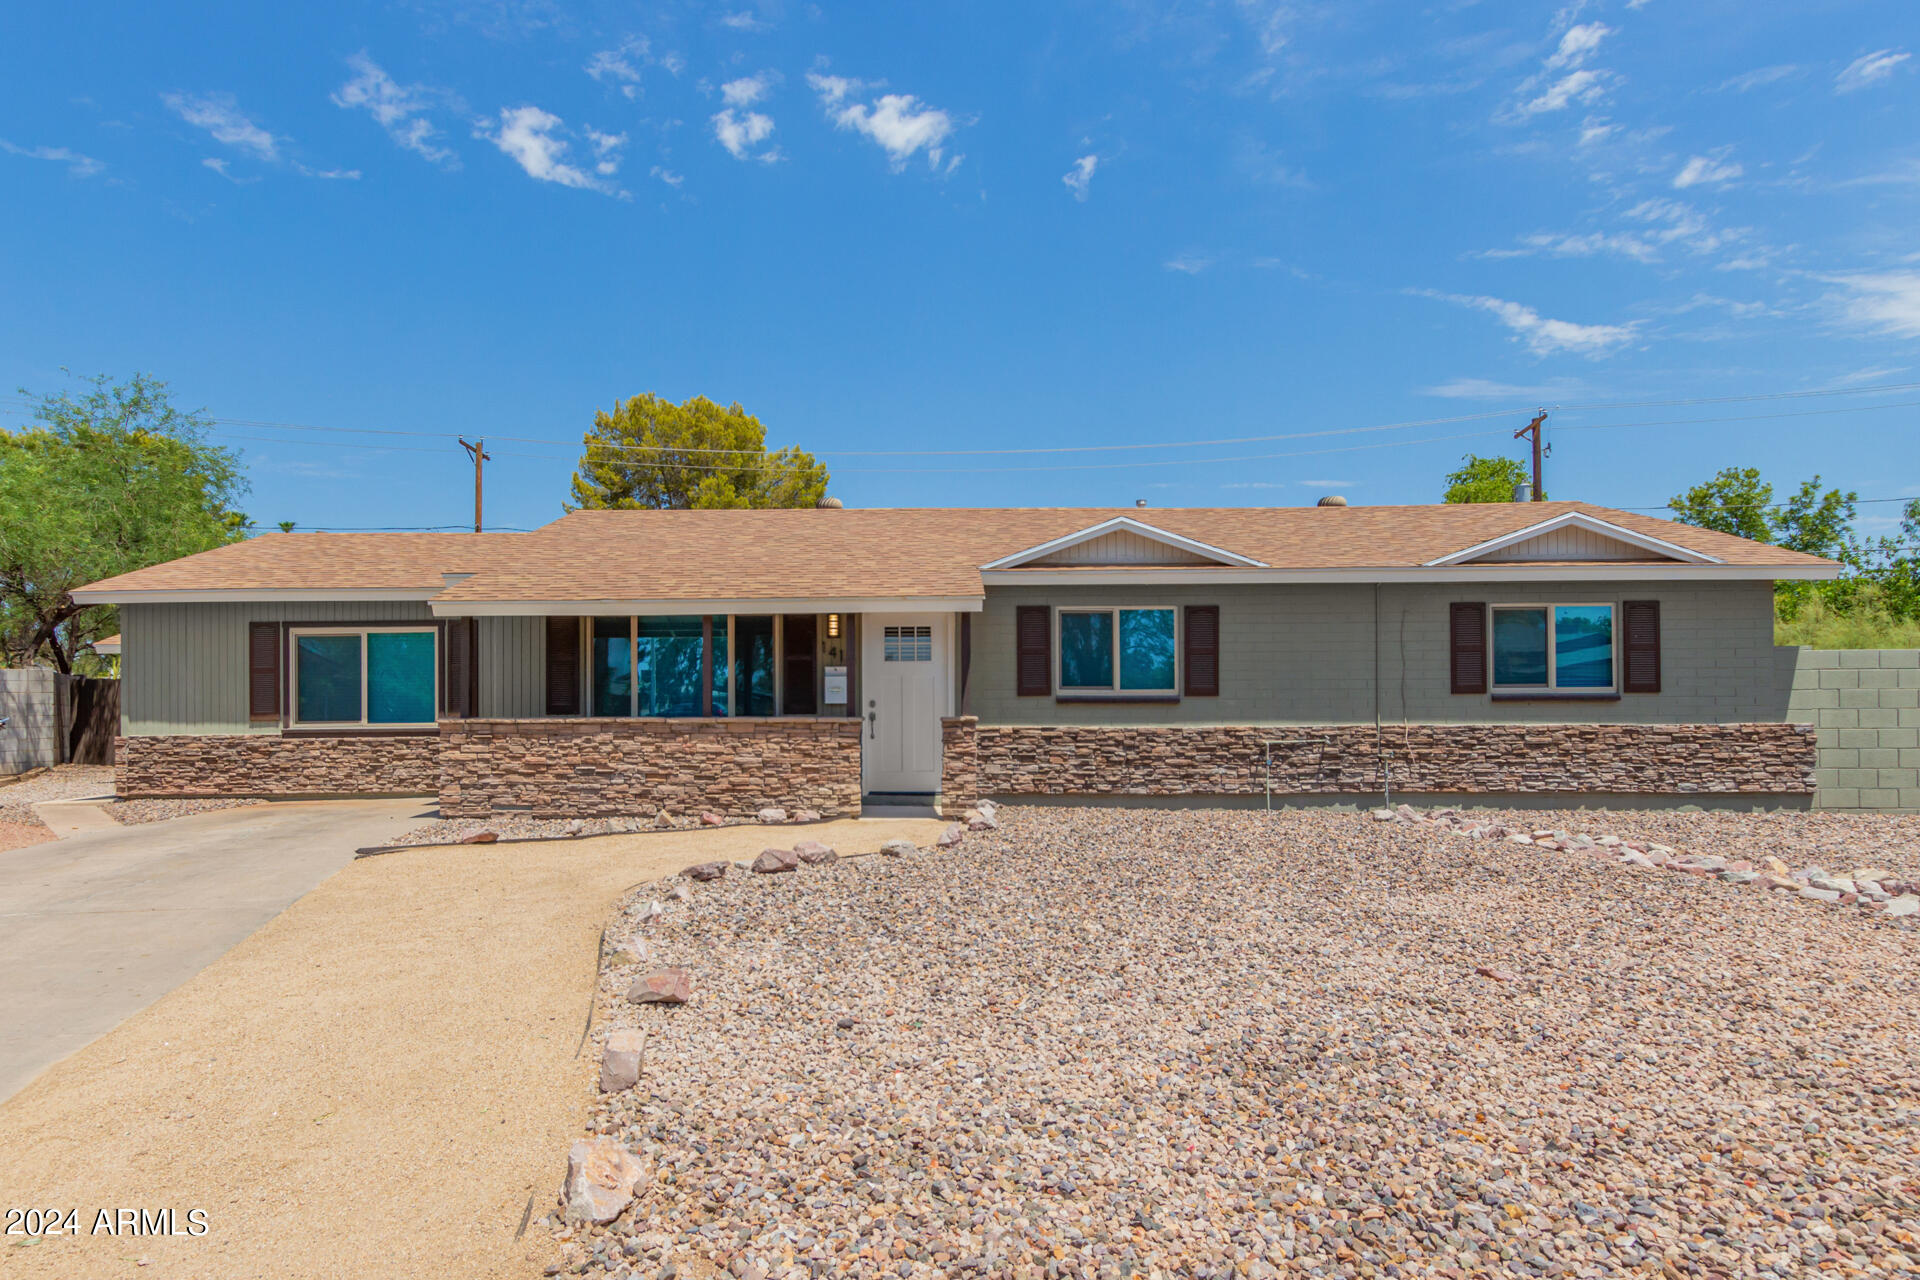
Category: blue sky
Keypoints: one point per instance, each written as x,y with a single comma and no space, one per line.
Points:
981,226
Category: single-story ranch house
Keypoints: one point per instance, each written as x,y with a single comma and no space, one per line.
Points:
626,662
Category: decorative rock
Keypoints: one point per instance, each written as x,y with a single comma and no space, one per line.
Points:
654,911
705,871
774,861
1498,975
1776,867
952,836
711,819
576,825
1905,905
898,848
481,837
620,1060
602,1177
1382,815
812,852
806,815
771,815
680,893
978,821
662,986
1820,895
989,808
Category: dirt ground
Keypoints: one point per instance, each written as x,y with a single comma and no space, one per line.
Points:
374,1083
18,835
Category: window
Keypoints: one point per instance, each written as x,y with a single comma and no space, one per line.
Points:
753,666
345,676
666,665
612,687
1558,647
907,644
1118,651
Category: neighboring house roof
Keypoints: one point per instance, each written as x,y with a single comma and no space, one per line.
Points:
108,644
864,559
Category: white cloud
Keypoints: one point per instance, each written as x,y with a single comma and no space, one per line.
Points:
740,133
1882,301
619,67
1578,86
1868,69
1594,131
898,122
1577,45
530,136
399,109
1715,169
220,116
1327,484
606,150
1078,177
745,91
1486,389
1759,78
78,166
744,21
667,176
1191,264
1545,336
1590,245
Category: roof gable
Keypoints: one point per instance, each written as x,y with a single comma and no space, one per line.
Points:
1573,536
1122,541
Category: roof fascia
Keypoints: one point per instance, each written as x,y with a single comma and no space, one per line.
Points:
1518,571
670,608
249,595
1130,525
1593,524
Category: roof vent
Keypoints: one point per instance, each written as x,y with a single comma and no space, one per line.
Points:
1139,502
829,504
1334,500
1523,492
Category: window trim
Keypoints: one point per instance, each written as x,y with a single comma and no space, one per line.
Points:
1064,692
362,630
1552,689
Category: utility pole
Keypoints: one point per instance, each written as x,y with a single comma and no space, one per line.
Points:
478,452
1533,429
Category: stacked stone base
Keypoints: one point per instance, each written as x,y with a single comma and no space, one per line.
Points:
620,768
1464,759
269,765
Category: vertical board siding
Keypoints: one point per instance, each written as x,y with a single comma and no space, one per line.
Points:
1571,543
513,667
183,667
1122,546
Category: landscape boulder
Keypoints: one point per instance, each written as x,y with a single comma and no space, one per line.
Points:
602,1177
774,861
813,852
772,815
952,836
481,837
711,819
979,820
705,871
662,986
897,848
806,815
1905,905
620,1060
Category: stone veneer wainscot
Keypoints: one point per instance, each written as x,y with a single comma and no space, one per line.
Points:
620,767
273,765
1619,759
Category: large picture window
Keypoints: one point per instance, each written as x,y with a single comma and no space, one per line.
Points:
1118,651
347,676
1553,647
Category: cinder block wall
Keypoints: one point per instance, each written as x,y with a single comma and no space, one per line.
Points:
32,736
1864,705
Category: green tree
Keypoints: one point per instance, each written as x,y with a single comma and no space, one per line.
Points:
650,452
1820,524
1485,479
112,480
1736,501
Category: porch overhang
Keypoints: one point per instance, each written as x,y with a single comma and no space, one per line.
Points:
655,608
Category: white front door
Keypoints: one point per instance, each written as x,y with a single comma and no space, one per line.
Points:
903,682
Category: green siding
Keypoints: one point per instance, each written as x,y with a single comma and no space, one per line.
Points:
1308,654
513,666
183,667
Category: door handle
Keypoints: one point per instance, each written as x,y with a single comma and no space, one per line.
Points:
873,719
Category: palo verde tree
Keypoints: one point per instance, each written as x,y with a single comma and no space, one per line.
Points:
1480,479
650,452
111,480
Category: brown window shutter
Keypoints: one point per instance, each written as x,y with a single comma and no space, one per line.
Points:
1642,624
459,677
1034,628
563,666
1203,650
263,671
1467,642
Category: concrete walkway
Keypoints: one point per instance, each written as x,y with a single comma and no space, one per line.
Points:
378,1082
97,925
75,817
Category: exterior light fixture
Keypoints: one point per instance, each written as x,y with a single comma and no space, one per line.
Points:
833,626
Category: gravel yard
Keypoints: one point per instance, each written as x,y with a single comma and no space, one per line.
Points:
130,813
1797,837
1212,1043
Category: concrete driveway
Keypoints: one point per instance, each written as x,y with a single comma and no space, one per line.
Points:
95,927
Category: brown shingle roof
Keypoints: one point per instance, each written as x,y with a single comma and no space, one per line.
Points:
859,553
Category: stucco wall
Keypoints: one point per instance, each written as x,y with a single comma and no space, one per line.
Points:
183,667
1307,655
